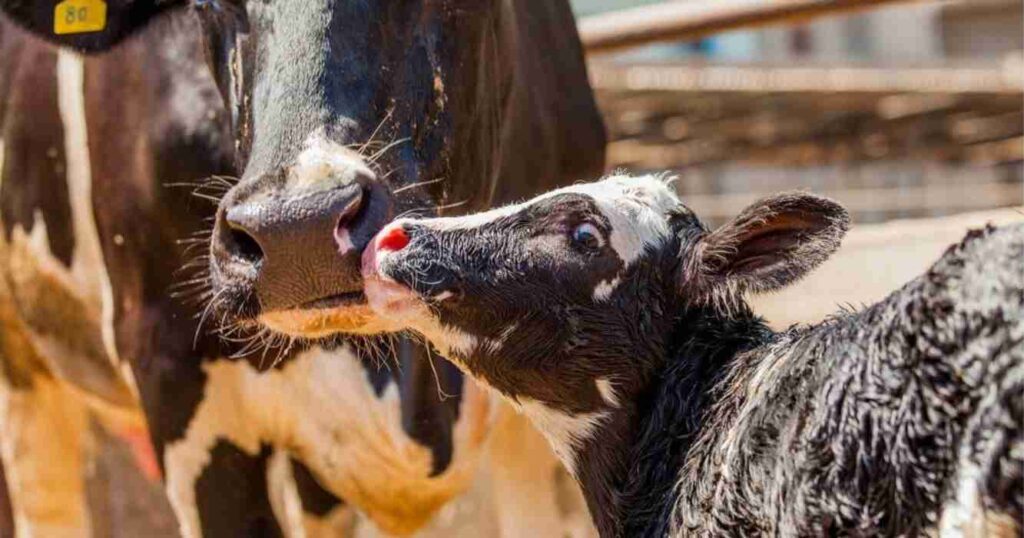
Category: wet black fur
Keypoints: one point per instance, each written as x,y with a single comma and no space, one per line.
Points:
859,429
873,413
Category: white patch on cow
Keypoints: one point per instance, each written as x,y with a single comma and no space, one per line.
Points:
607,390
344,240
322,160
39,237
322,407
87,259
285,502
565,433
185,460
605,288
87,267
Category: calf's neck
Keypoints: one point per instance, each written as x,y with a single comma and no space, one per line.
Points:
616,321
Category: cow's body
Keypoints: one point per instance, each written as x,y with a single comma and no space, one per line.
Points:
88,149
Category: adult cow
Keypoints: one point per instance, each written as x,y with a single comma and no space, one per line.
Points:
336,115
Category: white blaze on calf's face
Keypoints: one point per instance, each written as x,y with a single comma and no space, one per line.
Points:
636,208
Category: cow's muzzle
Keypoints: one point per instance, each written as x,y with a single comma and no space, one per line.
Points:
294,243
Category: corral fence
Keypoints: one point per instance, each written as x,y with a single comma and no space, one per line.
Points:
938,134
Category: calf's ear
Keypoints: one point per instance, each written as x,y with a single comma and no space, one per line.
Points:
769,245
85,25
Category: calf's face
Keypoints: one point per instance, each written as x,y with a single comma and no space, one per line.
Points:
533,297
565,303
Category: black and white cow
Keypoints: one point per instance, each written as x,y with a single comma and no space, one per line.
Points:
334,116
616,321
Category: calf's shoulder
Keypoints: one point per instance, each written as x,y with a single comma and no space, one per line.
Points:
865,421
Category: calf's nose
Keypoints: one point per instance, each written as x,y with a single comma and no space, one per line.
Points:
392,238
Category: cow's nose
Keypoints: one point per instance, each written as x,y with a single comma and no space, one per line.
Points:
288,242
265,229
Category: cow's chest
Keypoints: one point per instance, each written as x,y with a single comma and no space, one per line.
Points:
323,409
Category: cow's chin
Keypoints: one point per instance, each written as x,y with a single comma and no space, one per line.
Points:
324,322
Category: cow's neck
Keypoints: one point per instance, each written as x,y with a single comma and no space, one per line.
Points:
629,471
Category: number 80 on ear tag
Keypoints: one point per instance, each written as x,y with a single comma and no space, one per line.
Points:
79,16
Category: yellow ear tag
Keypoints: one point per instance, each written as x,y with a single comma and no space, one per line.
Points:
79,16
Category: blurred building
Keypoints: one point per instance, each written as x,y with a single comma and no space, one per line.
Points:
904,111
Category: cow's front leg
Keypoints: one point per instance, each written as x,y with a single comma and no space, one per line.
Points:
216,465
232,496
41,442
302,505
323,514
228,496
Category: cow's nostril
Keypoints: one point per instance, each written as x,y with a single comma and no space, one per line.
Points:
352,209
246,247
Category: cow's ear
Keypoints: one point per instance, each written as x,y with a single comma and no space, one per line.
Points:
85,25
771,244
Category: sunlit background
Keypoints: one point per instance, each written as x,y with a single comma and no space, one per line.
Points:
905,111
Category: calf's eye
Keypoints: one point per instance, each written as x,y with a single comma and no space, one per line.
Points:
587,236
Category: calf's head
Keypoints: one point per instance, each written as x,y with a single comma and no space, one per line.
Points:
565,303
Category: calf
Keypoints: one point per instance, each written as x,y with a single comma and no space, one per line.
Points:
616,321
